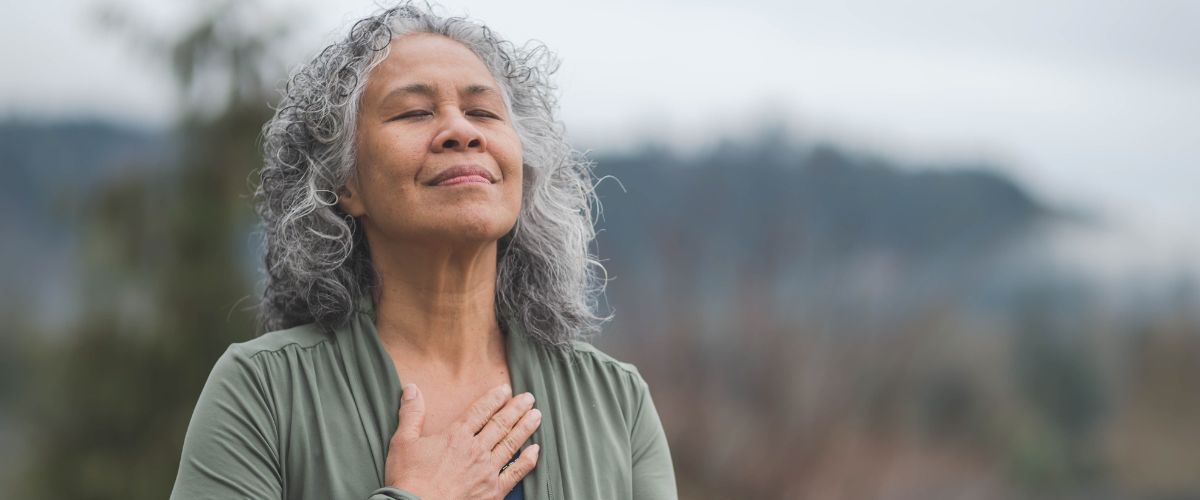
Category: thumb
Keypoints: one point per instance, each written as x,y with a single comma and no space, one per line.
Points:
412,414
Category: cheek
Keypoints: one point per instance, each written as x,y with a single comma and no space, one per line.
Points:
515,172
509,154
516,193
390,162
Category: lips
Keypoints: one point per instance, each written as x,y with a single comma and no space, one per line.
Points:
460,174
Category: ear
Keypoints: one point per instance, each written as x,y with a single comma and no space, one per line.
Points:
349,199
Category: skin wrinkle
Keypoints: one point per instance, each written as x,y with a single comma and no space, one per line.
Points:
316,257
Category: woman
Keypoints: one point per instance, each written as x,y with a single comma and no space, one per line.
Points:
425,222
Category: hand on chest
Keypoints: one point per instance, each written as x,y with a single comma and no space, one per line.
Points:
446,402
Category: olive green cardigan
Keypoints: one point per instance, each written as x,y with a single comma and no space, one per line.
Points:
306,413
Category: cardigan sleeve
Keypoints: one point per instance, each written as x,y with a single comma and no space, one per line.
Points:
230,448
653,471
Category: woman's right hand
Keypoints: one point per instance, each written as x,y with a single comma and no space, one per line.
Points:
464,461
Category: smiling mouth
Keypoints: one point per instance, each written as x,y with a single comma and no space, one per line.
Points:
464,179
453,176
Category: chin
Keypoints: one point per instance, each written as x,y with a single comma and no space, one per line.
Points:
479,225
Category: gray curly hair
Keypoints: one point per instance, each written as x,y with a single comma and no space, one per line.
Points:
317,263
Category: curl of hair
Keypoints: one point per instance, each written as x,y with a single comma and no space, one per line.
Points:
316,260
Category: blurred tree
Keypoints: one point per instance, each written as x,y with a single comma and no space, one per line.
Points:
1056,373
165,254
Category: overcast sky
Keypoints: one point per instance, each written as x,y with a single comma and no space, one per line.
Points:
1092,102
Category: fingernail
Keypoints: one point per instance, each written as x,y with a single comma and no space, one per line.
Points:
529,397
534,449
410,392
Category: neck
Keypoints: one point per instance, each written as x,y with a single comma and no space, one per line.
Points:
436,305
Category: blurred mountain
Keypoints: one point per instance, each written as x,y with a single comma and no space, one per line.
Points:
43,160
829,201
796,226
49,168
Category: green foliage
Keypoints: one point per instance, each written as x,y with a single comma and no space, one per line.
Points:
1057,375
1039,458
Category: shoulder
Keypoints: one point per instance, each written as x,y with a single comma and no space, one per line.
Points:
599,392
261,368
588,369
269,356
588,353
298,337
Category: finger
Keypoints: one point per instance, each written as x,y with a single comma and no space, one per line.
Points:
512,441
504,420
520,468
483,408
412,414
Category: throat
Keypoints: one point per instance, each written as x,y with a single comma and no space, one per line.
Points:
453,361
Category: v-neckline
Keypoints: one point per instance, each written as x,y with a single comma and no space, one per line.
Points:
524,370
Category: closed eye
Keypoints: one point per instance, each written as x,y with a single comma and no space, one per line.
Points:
482,113
412,114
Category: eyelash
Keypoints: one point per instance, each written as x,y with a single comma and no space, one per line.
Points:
413,114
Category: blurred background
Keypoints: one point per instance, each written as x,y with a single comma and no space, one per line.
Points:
859,249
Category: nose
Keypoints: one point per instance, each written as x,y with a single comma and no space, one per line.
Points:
458,134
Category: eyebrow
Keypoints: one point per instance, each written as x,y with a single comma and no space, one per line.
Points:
428,90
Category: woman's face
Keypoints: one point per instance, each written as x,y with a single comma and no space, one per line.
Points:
429,106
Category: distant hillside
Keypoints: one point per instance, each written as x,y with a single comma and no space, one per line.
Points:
40,159
794,224
47,169
822,198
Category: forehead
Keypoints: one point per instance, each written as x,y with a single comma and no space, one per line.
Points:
432,59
